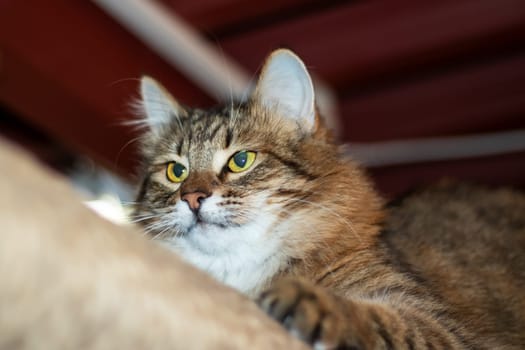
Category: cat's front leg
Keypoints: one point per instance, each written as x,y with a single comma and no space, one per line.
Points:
319,318
326,321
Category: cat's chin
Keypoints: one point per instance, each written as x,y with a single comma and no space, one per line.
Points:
202,225
205,234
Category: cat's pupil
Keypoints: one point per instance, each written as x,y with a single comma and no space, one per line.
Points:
240,159
178,169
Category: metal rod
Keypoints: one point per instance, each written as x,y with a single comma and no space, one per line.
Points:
174,40
378,154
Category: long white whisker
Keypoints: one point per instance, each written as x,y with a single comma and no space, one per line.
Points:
159,235
137,219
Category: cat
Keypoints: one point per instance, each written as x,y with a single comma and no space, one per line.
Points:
261,196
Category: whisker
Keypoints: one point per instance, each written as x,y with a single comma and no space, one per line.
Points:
330,212
161,233
118,81
157,229
143,218
135,139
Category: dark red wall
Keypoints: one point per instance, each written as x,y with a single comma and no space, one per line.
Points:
403,68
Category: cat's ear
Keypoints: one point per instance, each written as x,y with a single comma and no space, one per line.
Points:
158,105
286,87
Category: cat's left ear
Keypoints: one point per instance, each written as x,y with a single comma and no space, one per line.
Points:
158,105
286,87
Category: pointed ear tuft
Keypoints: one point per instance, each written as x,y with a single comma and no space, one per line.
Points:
286,87
158,105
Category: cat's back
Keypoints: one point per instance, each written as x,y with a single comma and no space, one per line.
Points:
466,244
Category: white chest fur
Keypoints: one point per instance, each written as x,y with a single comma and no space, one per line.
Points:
244,257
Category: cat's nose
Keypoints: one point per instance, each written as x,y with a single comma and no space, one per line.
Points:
194,199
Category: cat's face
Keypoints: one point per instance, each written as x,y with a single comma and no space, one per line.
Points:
221,169
224,188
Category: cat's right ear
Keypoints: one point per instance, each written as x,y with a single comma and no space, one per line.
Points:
285,87
158,105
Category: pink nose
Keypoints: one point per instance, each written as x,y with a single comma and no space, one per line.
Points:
194,199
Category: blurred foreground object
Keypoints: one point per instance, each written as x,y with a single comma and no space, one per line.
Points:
71,280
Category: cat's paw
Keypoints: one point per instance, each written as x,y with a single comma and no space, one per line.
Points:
310,313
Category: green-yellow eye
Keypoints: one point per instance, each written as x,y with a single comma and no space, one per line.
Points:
176,172
241,161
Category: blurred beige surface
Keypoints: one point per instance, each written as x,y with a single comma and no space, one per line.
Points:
71,280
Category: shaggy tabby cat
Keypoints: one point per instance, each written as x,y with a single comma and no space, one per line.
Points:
260,197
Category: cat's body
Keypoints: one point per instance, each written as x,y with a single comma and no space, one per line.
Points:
466,246
260,196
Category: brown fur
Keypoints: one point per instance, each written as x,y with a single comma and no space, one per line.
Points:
442,269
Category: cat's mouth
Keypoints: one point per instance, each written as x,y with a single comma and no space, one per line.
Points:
203,223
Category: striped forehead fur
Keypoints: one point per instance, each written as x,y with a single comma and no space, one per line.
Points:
249,125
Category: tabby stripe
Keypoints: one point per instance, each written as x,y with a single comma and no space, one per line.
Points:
160,193
316,333
229,137
296,167
441,318
434,339
347,347
382,330
429,345
409,339
288,312
398,261
286,191
190,138
165,198
144,187
214,132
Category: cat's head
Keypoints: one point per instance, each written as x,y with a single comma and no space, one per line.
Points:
234,190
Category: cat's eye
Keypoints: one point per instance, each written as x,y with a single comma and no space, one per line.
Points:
176,172
241,161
